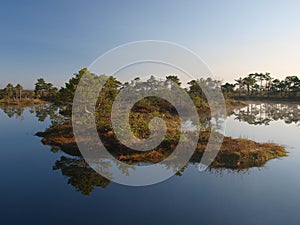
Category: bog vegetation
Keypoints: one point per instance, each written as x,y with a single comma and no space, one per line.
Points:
252,86
263,86
234,154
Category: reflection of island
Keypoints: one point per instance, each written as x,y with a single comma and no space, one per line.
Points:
235,154
264,113
41,111
80,175
13,111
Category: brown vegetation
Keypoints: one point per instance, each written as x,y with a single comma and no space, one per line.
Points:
234,153
24,102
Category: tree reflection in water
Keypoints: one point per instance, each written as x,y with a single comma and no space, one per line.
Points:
264,113
85,179
13,111
42,112
80,175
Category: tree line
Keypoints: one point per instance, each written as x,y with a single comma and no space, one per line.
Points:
253,85
112,86
43,90
264,86
12,92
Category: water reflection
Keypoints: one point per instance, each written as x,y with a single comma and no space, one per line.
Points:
80,175
264,113
85,179
13,111
44,111
41,111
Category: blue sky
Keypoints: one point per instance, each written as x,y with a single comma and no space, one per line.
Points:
54,39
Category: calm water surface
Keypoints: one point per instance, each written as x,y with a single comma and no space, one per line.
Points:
40,185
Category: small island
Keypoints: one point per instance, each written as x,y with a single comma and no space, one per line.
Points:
234,154
16,95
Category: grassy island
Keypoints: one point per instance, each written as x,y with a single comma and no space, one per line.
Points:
234,153
16,95
23,103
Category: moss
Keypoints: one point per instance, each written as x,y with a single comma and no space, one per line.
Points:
234,153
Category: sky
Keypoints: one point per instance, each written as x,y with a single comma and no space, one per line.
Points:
55,39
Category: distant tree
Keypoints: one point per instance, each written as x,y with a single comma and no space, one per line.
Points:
255,89
274,87
240,84
66,94
19,90
268,80
45,90
9,91
249,81
175,79
260,77
105,101
282,87
195,88
40,88
292,84
196,93
151,83
1,93
228,88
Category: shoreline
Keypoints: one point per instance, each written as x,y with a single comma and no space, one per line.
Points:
23,103
266,99
236,154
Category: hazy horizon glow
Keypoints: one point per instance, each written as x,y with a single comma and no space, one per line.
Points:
56,39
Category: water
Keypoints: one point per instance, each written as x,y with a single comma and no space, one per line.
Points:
44,186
